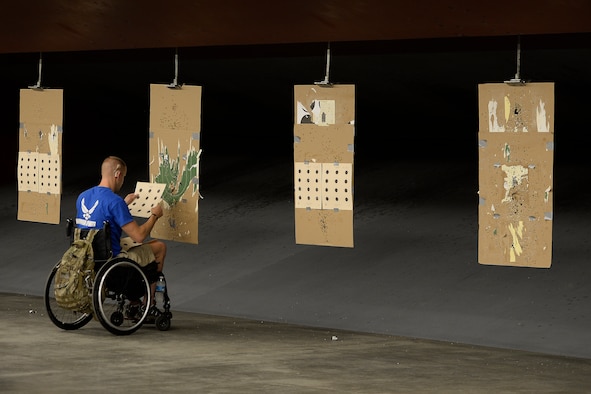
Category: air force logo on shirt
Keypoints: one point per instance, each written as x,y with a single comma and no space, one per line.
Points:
86,214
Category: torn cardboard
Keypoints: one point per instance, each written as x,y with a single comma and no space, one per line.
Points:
39,166
324,132
516,153
174,159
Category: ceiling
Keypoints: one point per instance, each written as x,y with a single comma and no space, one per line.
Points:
67,25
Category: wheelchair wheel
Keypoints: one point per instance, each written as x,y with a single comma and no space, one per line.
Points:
63,318
162,322
120,293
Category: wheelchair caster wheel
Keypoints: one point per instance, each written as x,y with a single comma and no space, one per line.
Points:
117,318
163,323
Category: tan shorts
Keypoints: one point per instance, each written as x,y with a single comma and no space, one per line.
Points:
141,254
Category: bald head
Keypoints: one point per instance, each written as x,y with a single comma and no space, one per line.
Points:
111,165
113,172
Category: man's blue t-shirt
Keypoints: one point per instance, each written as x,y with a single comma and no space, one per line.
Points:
98,205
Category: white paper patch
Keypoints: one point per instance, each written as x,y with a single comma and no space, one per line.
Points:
150,194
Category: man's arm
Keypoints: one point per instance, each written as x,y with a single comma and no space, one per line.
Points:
138,233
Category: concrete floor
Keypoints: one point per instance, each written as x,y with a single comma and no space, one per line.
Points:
212,354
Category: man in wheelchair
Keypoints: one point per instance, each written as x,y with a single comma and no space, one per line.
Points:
101,204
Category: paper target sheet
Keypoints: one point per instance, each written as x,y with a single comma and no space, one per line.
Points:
150,194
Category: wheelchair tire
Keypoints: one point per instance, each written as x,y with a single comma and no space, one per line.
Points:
162,323
65,319
120,293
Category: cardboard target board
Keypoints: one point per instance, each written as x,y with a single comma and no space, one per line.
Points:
175,127
324,133
516,155
39,167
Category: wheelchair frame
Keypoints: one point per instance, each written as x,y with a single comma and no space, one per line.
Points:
121,292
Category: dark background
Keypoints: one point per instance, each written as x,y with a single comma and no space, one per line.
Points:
415,98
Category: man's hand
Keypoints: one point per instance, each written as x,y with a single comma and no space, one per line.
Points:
130,198
157,211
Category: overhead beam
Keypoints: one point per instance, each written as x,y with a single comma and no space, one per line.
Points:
66,25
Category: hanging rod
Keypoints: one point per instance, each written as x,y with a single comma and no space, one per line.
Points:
517,81
174,84
37,86
325,83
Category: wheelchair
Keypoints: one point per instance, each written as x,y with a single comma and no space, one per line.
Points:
121,291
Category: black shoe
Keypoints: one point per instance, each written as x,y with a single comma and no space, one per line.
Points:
153,313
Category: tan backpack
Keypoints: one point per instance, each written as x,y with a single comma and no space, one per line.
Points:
75,274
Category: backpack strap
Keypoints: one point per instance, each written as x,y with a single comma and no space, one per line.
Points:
89,235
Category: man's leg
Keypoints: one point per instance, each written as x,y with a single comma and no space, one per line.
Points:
150,252
159,250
